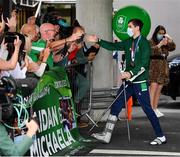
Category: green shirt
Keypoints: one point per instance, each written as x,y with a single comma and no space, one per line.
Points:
8,148
142,55
36,48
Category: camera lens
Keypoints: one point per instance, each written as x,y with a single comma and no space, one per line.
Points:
9,39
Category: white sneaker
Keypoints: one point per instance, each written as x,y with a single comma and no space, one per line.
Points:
158,113
159,141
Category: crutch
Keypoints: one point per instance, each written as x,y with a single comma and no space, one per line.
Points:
126,109
125,101
131,80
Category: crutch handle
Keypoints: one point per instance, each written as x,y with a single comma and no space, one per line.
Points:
138,74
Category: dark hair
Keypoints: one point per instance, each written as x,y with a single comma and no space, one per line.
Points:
53,17
90,50
1,38
137,22
76,23
9,38
157,29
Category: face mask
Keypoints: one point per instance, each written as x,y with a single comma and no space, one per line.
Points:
159,37
130,32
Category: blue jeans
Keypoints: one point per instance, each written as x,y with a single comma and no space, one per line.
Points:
141,92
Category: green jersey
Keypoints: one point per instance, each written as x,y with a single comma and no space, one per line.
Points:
141,55
36,48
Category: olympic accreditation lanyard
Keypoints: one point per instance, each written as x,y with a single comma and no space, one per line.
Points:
133,51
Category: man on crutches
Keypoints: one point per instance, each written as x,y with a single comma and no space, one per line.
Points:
137,54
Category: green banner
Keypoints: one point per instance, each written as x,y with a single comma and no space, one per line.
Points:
53,105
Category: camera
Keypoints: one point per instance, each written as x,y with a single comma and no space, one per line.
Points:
7,94
81,39
9,38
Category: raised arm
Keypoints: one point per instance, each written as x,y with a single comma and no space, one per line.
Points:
106,44
11,64
57,43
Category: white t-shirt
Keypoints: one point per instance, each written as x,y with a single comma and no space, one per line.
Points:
16,73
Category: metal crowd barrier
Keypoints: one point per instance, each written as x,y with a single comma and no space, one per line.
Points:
88,100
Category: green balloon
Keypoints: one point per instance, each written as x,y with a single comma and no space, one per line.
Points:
123,15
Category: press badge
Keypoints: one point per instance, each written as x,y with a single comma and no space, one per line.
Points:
143,86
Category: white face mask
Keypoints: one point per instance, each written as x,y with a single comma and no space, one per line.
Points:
130,32
160,37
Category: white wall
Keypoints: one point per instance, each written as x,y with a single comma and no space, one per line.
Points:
96,17
163,12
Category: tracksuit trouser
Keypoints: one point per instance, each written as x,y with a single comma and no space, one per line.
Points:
141,92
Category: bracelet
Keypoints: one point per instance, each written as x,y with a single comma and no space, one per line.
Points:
66,40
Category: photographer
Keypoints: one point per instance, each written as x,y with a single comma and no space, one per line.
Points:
26,72
20,69
11,63
7,147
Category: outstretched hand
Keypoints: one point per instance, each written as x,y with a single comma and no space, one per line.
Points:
92,38
74,37
12,21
